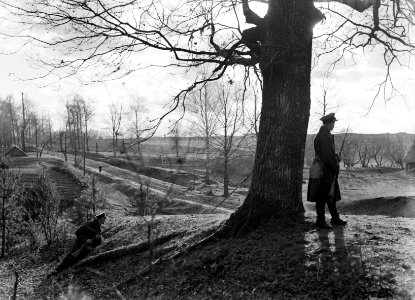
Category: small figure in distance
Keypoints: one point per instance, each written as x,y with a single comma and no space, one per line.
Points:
323,186
88,237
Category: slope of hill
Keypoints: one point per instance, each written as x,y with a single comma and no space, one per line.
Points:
372,257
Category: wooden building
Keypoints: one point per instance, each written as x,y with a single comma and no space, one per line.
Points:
15,152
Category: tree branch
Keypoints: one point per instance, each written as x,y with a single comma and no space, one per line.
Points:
250,16
359,5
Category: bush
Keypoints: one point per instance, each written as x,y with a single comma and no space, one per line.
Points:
91,199
41,205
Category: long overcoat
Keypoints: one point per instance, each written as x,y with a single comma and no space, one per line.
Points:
324,149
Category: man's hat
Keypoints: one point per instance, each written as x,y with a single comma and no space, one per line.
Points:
101,215
329,117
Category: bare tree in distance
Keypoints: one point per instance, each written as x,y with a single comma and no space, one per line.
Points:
7,121
139,122
326,97
102,36
24,122
88,112
377,151
349,152
396,150
175,136
116,116
229,118
363,153
204,106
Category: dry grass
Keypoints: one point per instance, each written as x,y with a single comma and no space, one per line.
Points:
372,257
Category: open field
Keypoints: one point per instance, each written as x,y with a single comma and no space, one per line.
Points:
372,257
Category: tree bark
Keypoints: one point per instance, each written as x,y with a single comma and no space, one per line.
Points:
276,186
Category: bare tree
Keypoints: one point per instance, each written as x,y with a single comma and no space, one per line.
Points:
377,150
102,34
229,119
116,115
362,150
24,123
175,137
204,107
349,152
396,150
88,112
138,121
6,124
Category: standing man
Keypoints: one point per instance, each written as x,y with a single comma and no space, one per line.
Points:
327,187
88,237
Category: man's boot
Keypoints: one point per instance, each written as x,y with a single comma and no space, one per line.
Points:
338,221
322,224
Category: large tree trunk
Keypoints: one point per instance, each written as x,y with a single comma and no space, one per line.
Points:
286,66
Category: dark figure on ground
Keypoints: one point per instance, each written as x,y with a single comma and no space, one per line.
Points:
88,237
324,188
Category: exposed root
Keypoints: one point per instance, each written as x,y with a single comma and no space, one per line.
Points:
211,236
123,251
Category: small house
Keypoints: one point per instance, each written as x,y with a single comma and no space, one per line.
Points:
409,159
15,152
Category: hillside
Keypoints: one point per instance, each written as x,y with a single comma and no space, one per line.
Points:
372,257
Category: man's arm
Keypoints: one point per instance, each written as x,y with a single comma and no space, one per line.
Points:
329,156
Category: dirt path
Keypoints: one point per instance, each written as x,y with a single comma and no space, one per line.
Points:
171,192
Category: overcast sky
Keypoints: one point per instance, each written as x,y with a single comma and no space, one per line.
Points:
352,88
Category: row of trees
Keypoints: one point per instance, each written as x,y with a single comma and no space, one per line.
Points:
368,150
21,124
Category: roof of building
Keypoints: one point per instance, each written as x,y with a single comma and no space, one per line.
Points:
15,151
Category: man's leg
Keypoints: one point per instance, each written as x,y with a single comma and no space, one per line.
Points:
66,262
335,218
69,260
320,209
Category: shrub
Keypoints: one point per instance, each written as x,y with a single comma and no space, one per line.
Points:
91,199
41,204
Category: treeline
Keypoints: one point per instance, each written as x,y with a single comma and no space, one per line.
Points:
24,126
21,124
369,150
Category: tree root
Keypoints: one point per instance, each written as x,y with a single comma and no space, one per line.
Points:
211,236
123,251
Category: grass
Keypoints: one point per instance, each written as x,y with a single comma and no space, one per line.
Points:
372,257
